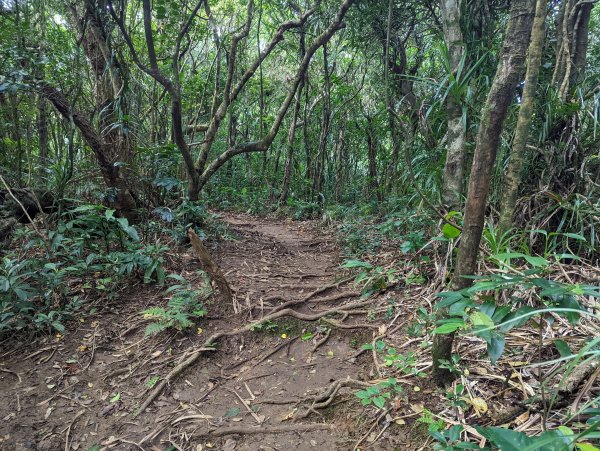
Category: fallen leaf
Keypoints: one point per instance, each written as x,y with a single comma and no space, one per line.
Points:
289,415
229,445
417,408
479,405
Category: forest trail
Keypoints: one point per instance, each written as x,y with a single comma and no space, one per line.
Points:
81,389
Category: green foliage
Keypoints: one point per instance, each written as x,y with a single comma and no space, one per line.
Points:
188,215
371,278
88,243
449,440
405,363
184,306
490,321
378,395
433,425
452,365
561,439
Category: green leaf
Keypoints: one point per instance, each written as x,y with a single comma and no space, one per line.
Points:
116,398
152,381
357,264
450,232
510,440
517,313
536,262
569,302
495,346
379,401
234,411
563,348
362,394
448,328
481,319
505,439
449,298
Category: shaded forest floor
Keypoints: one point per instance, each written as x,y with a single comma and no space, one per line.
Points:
287,384
66,387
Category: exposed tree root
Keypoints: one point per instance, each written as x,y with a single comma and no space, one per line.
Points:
209,344
278,429
326,398
311,295
321,342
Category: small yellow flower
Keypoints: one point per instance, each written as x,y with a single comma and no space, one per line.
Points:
284,336
82,348
200,330
415,388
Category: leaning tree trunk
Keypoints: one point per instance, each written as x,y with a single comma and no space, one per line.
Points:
455,136
500,97
517,156
125,202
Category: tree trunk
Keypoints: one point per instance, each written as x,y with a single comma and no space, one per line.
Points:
517,156
500,97
339,174
455,135
289,157
42,122
114,140
572,37
125,202
319,168
372,183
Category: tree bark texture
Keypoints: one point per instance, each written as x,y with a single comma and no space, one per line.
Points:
500,97
455,135
517,156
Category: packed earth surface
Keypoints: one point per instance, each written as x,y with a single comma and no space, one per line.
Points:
254,391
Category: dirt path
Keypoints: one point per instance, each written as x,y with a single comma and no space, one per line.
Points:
80,390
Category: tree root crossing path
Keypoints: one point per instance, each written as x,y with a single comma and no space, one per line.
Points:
274,369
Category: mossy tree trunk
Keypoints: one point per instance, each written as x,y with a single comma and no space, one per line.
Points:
517,156
455,135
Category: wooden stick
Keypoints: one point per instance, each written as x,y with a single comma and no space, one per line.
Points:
210,267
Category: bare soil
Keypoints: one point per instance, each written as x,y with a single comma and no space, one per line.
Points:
253,392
